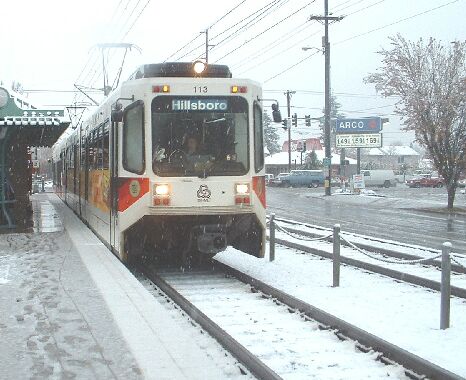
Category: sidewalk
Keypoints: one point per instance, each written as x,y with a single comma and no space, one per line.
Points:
69,309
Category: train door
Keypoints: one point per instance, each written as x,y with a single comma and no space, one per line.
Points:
113,165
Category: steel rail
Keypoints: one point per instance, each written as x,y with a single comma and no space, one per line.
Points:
392,353
397,275
371,248
243,355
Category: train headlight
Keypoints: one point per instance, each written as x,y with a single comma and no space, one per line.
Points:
242,188
162,189
199,67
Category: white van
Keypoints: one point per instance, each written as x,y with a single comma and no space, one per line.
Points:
385,178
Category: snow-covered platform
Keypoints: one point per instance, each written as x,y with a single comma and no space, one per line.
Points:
70,309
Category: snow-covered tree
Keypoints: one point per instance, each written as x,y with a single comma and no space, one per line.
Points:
270,135
312,162
334,114
430,80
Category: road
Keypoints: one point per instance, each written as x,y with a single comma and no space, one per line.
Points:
400,215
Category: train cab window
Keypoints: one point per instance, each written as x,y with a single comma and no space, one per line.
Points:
133,138
258,138
194,136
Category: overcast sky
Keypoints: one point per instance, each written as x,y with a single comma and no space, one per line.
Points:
48,45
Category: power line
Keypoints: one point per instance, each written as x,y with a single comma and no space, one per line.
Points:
365,33
196,37
245,20
275,44
274,6
266,30
280,52
136,19
290,67
395,22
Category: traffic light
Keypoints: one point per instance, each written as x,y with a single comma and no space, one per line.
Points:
285,124
277,117
304,146
294,120
307,119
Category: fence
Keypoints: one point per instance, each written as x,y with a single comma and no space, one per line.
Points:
446,258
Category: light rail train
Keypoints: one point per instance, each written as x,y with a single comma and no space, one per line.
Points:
170,163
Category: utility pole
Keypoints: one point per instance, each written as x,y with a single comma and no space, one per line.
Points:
288,94
326,45
207,45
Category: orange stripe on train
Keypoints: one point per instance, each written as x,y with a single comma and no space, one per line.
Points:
130,190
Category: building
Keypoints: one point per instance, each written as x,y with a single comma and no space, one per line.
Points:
278,162
390,157
310,143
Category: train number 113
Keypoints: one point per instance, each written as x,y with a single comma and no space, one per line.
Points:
200,89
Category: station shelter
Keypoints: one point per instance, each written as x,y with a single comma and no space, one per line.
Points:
22,126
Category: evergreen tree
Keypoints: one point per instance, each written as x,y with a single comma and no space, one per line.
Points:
312,162
270,135
334,114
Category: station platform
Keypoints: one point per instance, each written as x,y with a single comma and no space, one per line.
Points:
69,309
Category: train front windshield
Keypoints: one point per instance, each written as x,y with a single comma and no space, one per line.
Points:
199,136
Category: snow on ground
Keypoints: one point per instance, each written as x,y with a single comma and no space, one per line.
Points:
403,314
46,303
372,197
291,347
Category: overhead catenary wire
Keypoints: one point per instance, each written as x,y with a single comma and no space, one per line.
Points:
265,31
277,43
212,25
246,21
273,7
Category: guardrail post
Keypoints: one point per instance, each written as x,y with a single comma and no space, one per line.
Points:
336,255
445,289
272,238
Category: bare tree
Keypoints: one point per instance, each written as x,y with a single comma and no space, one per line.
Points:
430,80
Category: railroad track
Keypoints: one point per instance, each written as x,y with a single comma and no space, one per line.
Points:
368,264
275,335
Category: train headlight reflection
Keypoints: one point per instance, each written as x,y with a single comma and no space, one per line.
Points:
162,189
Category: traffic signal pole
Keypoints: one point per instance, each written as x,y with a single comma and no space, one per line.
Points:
328,153
288,94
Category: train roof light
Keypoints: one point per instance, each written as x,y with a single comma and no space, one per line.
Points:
161,88
238,89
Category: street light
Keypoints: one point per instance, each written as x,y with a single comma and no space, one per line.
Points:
306,48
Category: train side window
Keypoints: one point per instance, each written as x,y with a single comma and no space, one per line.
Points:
258,138
106,150
133,138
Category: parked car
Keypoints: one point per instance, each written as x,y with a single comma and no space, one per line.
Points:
278,180
425,180
385,178
308,178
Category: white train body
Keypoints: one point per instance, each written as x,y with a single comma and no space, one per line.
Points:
134,174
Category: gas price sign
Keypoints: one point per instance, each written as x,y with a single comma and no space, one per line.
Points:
363,140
